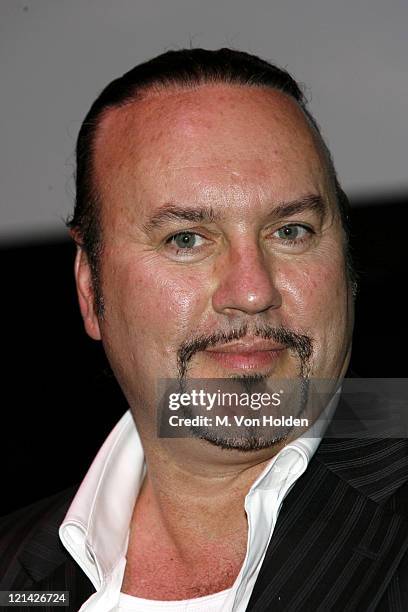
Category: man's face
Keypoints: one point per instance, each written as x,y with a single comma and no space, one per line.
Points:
223,249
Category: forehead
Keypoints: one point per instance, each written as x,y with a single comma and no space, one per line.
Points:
212,136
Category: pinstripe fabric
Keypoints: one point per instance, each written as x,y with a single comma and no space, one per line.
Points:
340,544
336,548
32,556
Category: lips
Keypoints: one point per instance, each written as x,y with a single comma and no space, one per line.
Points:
246,355
246,347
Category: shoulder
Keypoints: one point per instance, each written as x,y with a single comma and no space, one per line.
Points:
21,521
36,526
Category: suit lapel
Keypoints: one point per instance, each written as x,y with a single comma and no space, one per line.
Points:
43,551
47,562
338,540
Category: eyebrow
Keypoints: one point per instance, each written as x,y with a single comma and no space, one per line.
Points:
173,213
313,203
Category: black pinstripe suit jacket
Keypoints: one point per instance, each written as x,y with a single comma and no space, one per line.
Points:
340,543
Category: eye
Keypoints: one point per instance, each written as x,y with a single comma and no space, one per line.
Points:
293,233
185,240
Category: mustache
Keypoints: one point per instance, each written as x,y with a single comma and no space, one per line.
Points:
301,344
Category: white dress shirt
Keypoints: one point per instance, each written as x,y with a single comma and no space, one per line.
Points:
95,530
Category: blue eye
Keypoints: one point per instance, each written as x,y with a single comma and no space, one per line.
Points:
185,240
291,233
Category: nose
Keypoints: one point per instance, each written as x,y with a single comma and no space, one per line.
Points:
246,283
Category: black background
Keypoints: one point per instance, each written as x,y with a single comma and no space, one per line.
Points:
58,400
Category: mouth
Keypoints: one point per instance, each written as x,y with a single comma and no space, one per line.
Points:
246,355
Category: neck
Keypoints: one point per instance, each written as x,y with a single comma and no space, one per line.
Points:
191,483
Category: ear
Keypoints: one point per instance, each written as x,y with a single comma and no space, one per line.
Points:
86,295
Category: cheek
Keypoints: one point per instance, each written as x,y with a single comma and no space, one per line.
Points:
152,301
314,295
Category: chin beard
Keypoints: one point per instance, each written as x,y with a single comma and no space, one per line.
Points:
246,441
253,437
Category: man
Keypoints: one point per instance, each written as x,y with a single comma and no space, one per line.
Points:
212,244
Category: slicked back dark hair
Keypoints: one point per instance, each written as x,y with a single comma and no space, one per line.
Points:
186,68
